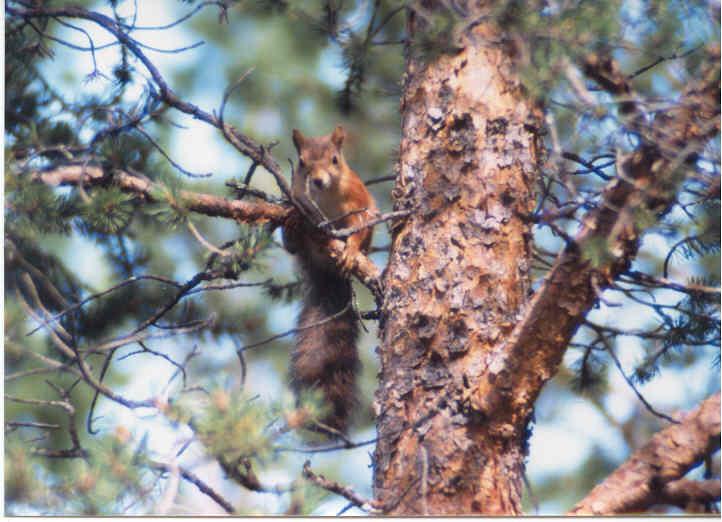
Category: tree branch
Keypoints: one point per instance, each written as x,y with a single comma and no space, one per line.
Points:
256,212
195,480
361,267
650,475
242,472
334,487
683,492
646,182
242,143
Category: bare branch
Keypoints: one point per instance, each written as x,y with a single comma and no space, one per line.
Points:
97,295
618,364
683,492
132,27
346,232
661,59
296,330
76,451
325,449
346,492
171,490
38,425
203,241
640,482
660,282
196,481
381,179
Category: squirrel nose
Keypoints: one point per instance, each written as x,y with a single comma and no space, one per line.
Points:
318,182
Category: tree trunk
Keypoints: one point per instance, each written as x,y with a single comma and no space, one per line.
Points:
457,279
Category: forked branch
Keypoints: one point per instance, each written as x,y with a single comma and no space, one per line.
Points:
651,475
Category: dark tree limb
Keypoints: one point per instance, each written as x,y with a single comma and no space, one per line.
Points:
339,489
200,484
242,143
650,476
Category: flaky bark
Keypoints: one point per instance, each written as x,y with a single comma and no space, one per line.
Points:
650,475
457,279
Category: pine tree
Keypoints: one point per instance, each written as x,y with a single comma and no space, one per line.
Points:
550,245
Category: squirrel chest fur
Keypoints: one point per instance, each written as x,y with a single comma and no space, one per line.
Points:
325,358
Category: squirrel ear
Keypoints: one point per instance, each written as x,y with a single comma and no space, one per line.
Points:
298,140
338,136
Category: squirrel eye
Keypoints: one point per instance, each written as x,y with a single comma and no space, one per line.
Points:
301,163
335,160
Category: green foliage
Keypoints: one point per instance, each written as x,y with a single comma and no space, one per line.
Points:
596,250
107,212
693,321
22,485
107,481
33,208
126,152
705,244
167,216
233,426
558,34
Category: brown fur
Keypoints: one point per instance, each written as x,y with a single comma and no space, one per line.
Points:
325,356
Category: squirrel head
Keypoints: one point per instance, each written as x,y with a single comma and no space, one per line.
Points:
320,159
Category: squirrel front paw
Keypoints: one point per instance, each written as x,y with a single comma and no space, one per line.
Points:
291,233
348,260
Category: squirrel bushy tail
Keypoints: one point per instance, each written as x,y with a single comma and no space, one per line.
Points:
325,357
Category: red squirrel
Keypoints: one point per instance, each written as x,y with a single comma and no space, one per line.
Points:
325,357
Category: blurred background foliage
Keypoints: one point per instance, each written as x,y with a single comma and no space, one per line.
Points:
308,65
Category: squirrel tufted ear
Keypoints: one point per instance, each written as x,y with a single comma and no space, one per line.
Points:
298,140
338,136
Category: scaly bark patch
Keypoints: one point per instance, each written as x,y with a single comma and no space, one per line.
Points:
457,279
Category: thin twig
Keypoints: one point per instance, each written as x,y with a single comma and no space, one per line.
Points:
618,364
369,506
196,481
297,329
